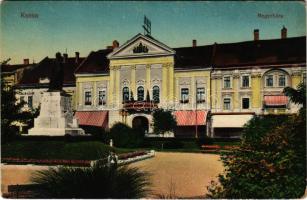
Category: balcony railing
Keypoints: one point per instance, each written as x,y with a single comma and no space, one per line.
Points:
140,105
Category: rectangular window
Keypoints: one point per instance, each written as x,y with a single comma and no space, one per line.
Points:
227,82
200,95
269,80
245,103
102,97
88,98
245,81
227,104
282,80
30,101
184,95
22,98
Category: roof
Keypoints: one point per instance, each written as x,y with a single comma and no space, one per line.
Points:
13,68
96,62
43,69
261,52
249,53
193,57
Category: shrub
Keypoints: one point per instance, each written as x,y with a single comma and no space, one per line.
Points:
97,132
259,126
125,136
99,181
271,160
163,121
271,165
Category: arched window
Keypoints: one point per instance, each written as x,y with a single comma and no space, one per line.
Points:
276,78
156,94
140,93
125,94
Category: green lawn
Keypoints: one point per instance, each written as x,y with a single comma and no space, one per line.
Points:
84,150
87,150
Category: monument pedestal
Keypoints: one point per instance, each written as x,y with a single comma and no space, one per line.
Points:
56,116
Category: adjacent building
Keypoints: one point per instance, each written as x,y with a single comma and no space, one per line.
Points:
213,89
35,80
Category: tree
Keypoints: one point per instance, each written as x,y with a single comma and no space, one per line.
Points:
11,111
125,136
270,161
297,96
163,121
98,182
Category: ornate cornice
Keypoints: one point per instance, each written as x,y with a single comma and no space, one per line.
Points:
256,75
217,76
236,76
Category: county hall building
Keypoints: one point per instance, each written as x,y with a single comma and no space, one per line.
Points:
217,87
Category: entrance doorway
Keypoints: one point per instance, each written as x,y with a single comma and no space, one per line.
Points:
140,123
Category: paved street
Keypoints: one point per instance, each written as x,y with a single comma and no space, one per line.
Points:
182,174
179,174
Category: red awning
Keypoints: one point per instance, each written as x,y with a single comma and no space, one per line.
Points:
275,100
92,118
188,118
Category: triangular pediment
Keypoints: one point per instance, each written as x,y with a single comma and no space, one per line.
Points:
141,46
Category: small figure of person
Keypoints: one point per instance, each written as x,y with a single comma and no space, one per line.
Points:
112,159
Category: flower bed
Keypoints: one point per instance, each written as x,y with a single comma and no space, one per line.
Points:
211,147
85,163
131,155
216,148
79,163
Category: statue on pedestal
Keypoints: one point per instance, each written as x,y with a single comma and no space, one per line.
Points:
56,115
57,74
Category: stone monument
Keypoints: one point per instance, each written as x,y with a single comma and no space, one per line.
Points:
56,116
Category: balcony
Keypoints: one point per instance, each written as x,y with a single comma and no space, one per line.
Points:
139,106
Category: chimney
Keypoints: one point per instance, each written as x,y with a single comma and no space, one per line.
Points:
58,57
115,44
26,61
283,33
256,34
194,43
65,57
77,57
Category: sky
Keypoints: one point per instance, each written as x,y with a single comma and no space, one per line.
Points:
85,26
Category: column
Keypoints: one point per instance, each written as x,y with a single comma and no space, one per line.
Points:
219,85
164,83
132,84
192,99
80,95
236,86
148,85
256,90
171,81
177,90
95,95
295,78
117,85
111,88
